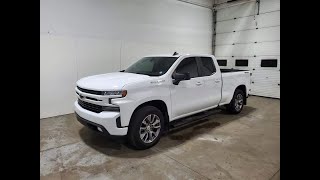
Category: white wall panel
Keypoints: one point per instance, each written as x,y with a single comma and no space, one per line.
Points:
147,20
132,51
57,75
97,56
100,36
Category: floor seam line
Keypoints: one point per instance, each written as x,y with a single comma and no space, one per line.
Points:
61,164
59,146
274,174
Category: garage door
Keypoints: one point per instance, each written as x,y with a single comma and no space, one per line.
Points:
248,37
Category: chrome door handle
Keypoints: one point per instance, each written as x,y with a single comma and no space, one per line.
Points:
198,83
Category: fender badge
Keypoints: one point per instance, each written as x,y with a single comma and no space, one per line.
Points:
158,81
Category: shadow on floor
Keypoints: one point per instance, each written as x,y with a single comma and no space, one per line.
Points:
176,137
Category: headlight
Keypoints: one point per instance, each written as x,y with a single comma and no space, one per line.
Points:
115,93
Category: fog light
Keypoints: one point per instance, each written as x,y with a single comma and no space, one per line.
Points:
99,129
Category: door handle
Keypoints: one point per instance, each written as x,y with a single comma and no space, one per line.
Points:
198,83
216,80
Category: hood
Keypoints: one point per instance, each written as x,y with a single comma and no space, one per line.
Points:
110,81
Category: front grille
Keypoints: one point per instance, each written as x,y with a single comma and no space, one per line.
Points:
90,91
96,108
90,107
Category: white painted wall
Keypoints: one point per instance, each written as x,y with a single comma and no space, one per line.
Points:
84,37
242,34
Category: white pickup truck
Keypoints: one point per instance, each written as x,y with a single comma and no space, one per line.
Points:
143,100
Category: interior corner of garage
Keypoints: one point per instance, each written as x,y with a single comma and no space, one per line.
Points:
79,38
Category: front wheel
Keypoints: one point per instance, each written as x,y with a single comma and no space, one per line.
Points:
237,102
146,127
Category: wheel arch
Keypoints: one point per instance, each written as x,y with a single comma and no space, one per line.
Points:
243,88
161,105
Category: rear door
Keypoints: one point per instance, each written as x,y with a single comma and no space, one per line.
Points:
212,81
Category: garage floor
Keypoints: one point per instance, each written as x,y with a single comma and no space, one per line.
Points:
244,146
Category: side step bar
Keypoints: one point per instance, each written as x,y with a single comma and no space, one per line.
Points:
179,123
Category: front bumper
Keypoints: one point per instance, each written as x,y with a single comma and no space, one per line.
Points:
106,121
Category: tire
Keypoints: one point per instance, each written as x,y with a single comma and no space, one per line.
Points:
237,102
144,123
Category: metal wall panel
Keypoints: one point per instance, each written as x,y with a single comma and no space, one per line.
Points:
269,5
242,10
249,36
243,34
236,24
262,20
268,19
265,83
235,50
251,49
267,49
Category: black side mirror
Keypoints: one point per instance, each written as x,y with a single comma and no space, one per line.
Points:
187,76
177,77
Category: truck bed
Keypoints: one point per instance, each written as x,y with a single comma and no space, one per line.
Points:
231,70
232,78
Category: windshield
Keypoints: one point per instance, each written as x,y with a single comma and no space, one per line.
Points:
152,66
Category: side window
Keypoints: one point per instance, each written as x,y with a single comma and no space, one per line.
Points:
241,62
269,62
188,65
207,67
222,62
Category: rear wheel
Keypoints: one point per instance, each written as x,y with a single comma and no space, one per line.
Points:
146,127
237,102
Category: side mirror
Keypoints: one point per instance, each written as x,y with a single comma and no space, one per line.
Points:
187,76
177,77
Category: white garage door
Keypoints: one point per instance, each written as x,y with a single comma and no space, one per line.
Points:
248,40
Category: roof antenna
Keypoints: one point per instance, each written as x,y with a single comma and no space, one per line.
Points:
175,53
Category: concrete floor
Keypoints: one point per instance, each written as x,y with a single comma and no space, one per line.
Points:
244,146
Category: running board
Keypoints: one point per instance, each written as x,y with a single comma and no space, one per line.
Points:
192,119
